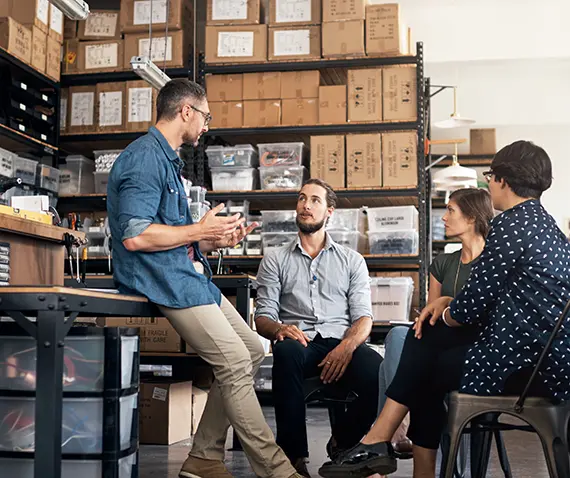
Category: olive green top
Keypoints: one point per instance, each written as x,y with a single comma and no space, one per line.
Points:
444,269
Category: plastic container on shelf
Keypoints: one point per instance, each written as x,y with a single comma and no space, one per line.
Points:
234,179
82,424
273,240
351,239
281,154
47,178
392,218
238,250
279,221
235,207
80,171
197,194
394,242
391,298
240,155
253,245
17,191
25,169
6,163
347,220
105,158
283,177
101,181
195,211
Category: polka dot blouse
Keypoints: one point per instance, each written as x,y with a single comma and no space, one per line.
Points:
515,293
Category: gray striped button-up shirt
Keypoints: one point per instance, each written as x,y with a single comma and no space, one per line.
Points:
324,295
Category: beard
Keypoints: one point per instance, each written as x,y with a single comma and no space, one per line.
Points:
189,139
309,228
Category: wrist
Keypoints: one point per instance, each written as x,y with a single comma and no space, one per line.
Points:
276,333
350,343
445,320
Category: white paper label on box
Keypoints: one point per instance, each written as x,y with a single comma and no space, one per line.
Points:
42,11
22,107
44,97
44,137
44,117
101,24
291,42
63,113
292,11
158,49
159,394
56,20
22,127
24,86
142,12
82,109
140,105
229,9
111,108
101,56
235,44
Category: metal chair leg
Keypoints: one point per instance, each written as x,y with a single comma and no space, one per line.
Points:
502,452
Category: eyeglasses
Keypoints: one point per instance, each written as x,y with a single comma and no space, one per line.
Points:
207,116
487,175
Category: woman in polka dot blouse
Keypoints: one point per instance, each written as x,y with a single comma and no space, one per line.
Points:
502,318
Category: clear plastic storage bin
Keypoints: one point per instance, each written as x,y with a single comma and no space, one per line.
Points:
392,218
101,181
391,298
77,177
346,220
47,178
281,154
25,169
283,177
82,424
273,240
6,163
240,155
279,221
234,179
351,239
17,191
238,250
235,207
105,158
253,245
393,242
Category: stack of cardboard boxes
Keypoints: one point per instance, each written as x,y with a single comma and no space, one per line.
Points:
32,30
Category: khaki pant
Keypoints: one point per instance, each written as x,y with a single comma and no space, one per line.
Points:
222,338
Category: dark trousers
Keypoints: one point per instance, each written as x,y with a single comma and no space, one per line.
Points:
292,364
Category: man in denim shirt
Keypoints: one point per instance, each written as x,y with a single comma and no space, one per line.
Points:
157,252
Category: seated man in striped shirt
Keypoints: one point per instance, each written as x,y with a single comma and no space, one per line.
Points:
313,301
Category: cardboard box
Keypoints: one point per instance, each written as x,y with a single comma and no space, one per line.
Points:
343,38
294,12
69,62
259,113
300,112
400,159
294,43
81,109
364,160
69,29
236,44
39,49
224,87
136,15
27,12
110,109
228,114
141,106
230,12
300,84
53,59
16,39
262,86
365,95
341,10
483,141
100,25
165,412
332,104
399,94
199,400
175,47
385,34
100,56
56,23
328,160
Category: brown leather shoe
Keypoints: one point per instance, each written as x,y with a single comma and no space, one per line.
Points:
300,464
195,467
404,449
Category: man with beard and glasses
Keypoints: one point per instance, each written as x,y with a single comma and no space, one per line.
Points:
157,253
313,302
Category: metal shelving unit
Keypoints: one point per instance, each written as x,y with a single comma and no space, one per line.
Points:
127,75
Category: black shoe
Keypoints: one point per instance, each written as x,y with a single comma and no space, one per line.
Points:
333,450
300,465
362,461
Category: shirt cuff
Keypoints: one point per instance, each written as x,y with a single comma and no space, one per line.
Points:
266,313
135,227
357,315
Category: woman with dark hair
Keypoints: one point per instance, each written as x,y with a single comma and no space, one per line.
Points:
504,314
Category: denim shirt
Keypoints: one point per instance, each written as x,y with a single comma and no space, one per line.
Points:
145,188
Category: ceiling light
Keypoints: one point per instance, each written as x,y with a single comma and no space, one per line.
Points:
149,72
455,120
72,9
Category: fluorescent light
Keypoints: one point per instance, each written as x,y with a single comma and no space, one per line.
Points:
149,72
72,9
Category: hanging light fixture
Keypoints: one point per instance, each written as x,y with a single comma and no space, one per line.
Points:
72,9
454,177
455,120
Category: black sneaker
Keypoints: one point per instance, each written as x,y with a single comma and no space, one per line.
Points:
362,461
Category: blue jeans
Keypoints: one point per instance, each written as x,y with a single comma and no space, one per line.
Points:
394,344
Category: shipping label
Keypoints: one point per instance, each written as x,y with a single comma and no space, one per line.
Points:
111,108
143,14
102,56
159,394
82,109
229,9
287,11
161,49
292,42
101,24
56,20
42,11
235,44
140,105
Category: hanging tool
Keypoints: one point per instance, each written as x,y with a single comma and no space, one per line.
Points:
68,241
220,262
84,264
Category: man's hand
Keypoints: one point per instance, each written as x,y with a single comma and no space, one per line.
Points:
432,312
335,363
292,332
234,238
217,228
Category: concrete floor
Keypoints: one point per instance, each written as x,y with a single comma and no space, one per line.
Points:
524,449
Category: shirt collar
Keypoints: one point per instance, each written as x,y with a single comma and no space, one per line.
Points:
329,243
170,153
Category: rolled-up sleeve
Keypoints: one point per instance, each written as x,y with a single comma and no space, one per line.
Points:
140,183
268,288
359,296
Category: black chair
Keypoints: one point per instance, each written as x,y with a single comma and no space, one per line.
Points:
547,419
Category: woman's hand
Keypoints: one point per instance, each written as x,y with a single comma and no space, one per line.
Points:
433,312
